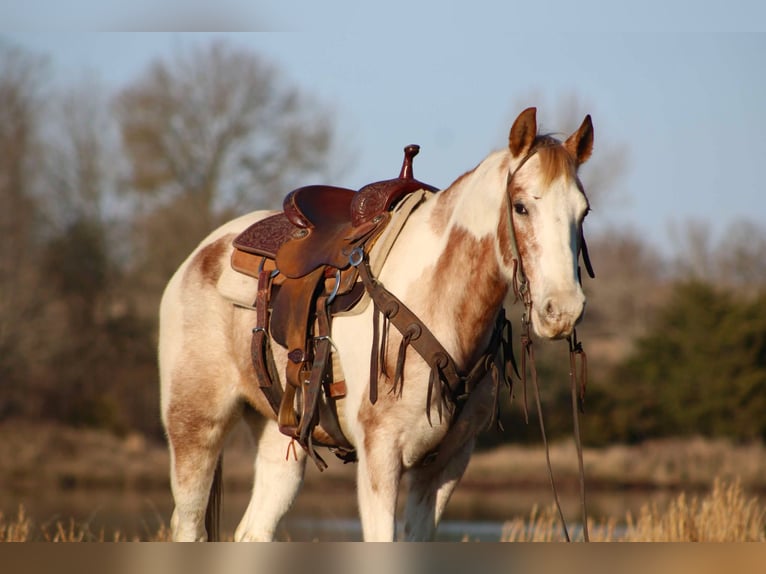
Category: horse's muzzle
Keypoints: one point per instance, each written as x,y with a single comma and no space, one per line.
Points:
556,316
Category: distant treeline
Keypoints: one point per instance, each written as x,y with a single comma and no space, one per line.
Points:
103,194
699,369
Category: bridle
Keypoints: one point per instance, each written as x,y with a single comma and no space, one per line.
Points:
578,377
520,283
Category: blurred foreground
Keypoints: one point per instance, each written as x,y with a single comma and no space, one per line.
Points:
89,485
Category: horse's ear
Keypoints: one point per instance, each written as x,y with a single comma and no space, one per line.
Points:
523,132
580,143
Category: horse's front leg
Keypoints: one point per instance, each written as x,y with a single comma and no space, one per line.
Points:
428,494
378,477
278,476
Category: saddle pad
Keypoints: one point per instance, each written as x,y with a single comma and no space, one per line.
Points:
379,252
238,288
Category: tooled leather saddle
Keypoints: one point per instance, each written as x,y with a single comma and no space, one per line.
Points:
302,260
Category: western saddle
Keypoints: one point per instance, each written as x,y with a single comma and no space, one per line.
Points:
306,259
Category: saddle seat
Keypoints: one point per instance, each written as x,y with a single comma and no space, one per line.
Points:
321,224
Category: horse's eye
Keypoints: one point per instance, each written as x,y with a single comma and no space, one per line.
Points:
520,209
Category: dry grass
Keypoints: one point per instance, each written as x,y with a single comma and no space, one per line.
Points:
725,514
22,528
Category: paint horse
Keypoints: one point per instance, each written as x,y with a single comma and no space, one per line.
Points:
509,228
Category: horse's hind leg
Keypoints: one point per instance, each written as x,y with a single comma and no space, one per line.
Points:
429,493
196,430
277,480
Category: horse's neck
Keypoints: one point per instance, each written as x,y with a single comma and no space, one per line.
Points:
445,264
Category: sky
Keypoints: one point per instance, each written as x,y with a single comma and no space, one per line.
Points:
686,106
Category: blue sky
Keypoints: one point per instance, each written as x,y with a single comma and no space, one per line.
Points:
688,107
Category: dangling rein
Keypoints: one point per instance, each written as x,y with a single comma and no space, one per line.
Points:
578,381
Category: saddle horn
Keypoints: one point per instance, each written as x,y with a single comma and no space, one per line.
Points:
409,154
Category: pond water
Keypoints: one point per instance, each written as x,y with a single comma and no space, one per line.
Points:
473,514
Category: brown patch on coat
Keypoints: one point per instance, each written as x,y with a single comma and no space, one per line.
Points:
526,242
192,432
209,261
472,268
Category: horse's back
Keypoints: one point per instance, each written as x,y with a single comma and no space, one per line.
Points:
193,308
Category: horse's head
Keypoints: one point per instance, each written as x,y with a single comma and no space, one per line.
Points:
547,205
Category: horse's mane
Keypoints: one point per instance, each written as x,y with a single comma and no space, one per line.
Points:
555,160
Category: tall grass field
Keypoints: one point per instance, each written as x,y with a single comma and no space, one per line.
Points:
724,514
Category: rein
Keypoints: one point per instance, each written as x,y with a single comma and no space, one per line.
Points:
578,384
578,406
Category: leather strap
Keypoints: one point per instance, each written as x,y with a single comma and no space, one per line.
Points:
413,331
578,400
444,371
295,299
260,346
313,385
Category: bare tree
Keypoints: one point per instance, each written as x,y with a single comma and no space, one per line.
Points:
735,260
216,123
630,285
21,107
83,155
741,255
80,192
211,133
20,111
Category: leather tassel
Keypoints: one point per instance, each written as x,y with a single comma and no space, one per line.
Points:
508,356
384,344
374,357
441,398
525,349
399,374
314,455
496,405
433,380
509,367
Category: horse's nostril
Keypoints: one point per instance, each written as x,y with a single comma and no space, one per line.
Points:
550,309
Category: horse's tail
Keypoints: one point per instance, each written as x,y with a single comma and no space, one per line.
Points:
214,503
